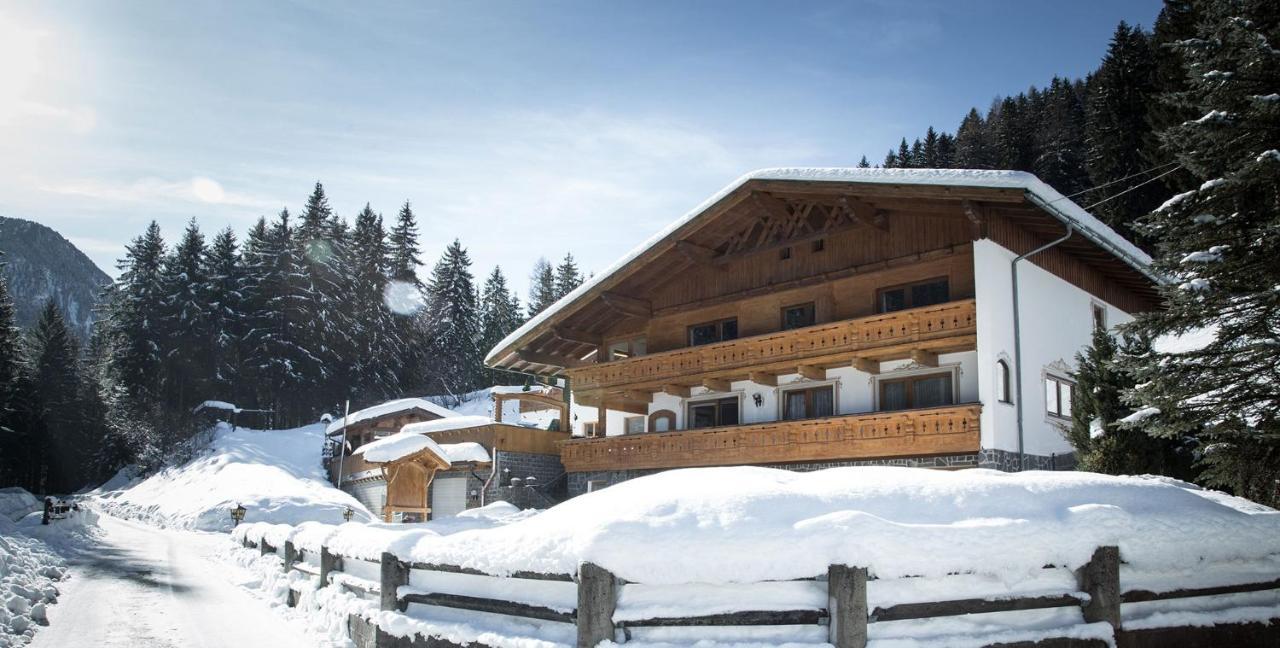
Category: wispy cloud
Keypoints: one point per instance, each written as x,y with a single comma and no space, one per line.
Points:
157,190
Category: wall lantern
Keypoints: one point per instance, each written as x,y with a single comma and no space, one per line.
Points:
759,400
237,514
346,515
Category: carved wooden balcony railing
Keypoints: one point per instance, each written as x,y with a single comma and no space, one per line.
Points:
940,430
902,328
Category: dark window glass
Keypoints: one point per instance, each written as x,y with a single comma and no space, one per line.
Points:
712,332
729,329
729,412
794,408
808,403
824,402
800,316
784,253
702,416
819,245
713,413
1002,382
933,390
893,300
893,396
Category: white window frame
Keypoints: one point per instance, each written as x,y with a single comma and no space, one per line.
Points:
780,394
954,368
627,421
1060,381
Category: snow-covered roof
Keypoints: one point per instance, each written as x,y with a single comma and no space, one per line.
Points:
1044,196
520,389
216,404
465,452
456,422
389,408
400,445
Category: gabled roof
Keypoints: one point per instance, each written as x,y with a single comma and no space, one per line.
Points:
389,408
947,183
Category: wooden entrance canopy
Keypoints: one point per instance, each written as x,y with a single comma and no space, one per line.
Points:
407,480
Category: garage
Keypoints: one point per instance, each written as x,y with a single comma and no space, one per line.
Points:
448,496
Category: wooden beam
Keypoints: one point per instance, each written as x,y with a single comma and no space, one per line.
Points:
973,212
924,358
638,396
629,407
772,207
811,372
550,360
716,384
696,253
763,378
576,336
627,305
866,365
602,419
676,390
863,212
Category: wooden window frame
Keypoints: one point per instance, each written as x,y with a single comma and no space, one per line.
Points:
906,287
717,401
950,374
626,424
667,415
589,429
630,342
1098,313
813,315
1059,383
808,389
719,324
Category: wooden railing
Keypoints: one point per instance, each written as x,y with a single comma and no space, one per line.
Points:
866,333
941,430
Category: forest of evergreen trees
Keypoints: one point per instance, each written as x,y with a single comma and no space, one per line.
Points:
309,311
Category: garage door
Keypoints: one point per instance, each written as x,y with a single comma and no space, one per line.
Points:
448,496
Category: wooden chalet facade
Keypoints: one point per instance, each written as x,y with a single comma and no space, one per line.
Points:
807,318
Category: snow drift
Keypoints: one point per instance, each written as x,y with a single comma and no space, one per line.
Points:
746,524
30,566
275,474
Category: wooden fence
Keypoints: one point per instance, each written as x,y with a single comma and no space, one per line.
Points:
588,601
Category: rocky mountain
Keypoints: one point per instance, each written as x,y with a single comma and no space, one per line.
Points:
40,263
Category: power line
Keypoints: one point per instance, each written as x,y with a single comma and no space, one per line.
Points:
1137,186
1116,181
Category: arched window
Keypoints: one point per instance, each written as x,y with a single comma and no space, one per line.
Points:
662,421
1003,393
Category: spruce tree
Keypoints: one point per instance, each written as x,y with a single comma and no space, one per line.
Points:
1013,134
863,163
376,347
904,160
929,150
973,146
224,294
568,276
141,297
1218,243
405,255
946,151
542,288
454,323
183,323
890,160
1059,140
13,444
500,314
54,359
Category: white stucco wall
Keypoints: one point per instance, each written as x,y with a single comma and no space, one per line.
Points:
1057,322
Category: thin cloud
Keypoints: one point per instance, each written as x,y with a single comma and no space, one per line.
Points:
199,190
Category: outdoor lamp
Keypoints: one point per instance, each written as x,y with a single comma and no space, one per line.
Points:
346,515
237,514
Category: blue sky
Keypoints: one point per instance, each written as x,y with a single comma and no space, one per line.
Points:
525,129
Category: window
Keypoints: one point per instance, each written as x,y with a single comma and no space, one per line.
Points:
662,421
1057,396
704,414
928,390
819,245
925,293
1002,382
588,429
1099,317
815,402
634,424
784,253
798,316
623,349
712,332
594,485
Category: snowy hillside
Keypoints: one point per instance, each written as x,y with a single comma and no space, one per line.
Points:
40,264
275,474
480,403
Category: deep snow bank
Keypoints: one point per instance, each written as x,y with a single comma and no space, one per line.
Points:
30,567
275,474
744,524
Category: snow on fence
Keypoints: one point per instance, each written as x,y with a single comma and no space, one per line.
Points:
839,608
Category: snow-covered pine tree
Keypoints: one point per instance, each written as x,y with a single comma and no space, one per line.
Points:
946,151
55,377
323,293
1013,134
568,276
1116,127
890,160
1218,243
454,323
224,296
1059,140
405,255
1100,443
929,150
138,359
10,347
542,287
905,160
183,323
500,314
973,146
376,347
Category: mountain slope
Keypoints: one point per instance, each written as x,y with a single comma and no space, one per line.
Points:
40,263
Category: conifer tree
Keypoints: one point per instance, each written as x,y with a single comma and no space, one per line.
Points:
12,442
183,322
890,160
500,313
141,296
905,160
863,163
405,256
1219,243
1059,140
946,151
224,294
376,348
55,379
542,288
455,322
929,150
973,148
1012,134
568,276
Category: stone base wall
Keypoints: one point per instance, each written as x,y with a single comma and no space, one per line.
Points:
547,471
994,459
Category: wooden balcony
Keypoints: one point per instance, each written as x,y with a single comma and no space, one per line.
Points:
940,430
940,328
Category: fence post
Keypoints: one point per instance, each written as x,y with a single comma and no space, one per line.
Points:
394,574
290,555
847,606
597,599
1100,579
264,548
328,563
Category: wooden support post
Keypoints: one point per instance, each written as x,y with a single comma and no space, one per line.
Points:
329,562
716,384
264,548
602,419
763,378
866,365
1100,579
597,599
847,605
394,574
497,408
811,372
290,555
924,358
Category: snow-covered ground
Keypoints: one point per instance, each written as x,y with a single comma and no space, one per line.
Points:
31,567
275,474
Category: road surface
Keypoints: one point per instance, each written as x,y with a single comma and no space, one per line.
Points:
140,586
